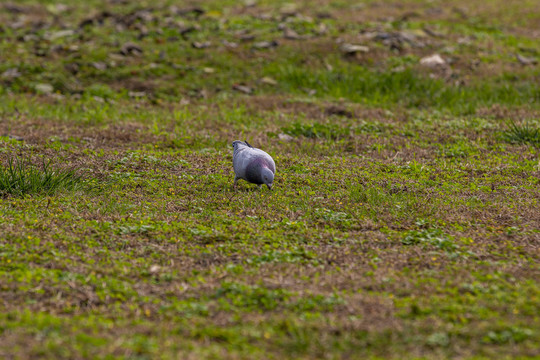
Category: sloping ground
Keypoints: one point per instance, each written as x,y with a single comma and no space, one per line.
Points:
404,219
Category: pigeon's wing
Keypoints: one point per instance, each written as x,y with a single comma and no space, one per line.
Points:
267,159
242,157
271,163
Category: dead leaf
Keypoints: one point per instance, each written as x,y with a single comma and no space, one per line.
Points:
432,32
57,9
15,9
268,80
242,88
265,44
523,60
339,111
194,11
201,45
290,34
16,137
136,94
73,68
186,30
324,15
130,48
99,65
461,12
59,34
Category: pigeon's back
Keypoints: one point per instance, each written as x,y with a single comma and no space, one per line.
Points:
245,156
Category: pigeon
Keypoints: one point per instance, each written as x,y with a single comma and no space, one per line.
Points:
252,164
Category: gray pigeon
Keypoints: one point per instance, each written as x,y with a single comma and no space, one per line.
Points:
252,165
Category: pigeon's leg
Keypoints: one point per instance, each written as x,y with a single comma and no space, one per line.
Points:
235,181
260,186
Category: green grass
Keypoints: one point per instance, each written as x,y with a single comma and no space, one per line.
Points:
526,133
407,88
19,177
402,222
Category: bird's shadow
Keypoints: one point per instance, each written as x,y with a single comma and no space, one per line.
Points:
247,189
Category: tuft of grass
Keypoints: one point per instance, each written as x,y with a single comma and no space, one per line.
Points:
316,131
525,133
20,177
434,237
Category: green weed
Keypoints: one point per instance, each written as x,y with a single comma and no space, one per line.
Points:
434,237
316,130
525,133
20,177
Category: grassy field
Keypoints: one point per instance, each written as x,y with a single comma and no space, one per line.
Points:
404,221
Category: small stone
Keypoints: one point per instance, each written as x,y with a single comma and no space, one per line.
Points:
353,49
289,9
136,94
230,44
44,88
322,29
201,45
285,137
14,8
30,37
16,137
290,34
57,97
432,60
265,44
246,37
11,73
154,269
56,9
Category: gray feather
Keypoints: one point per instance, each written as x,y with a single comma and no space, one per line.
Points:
252,164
